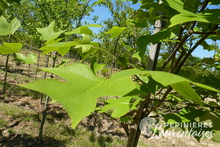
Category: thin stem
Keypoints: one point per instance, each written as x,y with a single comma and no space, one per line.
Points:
162,100
24,42
44,113
6,75
179,45
106,52
188,104
190,52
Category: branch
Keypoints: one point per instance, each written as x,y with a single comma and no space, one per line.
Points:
24,42
205,33
189,33
162,100
189,53
188,104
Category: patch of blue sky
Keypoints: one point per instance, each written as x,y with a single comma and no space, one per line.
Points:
105,14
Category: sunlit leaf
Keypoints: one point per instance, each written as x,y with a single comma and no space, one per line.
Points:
185,90
96,66
9,48
208,16
178,5
48,32
79,92
32,58
8,28
81,88
115,31
61,47
84,30
120,106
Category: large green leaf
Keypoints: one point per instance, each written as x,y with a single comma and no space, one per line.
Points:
207,16
81,88
48,32
8,28
185,90
9,48
79,92
178,5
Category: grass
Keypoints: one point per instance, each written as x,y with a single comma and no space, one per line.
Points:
60,131
80,136
3,123
215,137
15,111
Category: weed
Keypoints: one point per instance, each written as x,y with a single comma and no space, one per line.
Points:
3,123
216,137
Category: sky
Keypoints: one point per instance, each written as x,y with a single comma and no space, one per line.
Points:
104,14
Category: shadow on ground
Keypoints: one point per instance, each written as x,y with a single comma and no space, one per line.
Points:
25,140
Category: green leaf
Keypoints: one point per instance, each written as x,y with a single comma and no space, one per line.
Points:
214,2
63,63
143,41
86,47
8,28
205,87
134,1
48,32
61,47
115,31
95,66
32,58
81,30
137,56
207,16
3,4
81,88
92,48
9,48
185,90
121,106
206,46
97,2
94,25
178,5
79,92
84,30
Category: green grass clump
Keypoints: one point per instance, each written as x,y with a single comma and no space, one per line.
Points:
216,137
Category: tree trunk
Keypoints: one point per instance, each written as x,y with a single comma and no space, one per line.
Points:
135,131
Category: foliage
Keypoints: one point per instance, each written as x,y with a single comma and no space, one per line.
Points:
139,92
27,60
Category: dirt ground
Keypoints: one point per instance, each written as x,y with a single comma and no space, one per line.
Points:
20,127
